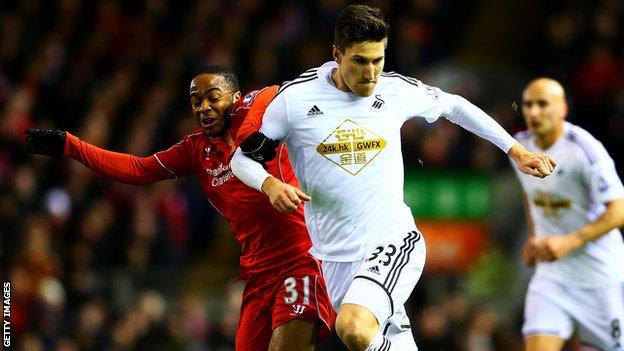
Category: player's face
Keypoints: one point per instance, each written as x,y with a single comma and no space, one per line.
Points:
360,65
211,100
544,109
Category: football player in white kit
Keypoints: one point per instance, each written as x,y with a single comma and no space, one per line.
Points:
341,123
573,219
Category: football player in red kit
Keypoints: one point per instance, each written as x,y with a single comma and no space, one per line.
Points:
285,304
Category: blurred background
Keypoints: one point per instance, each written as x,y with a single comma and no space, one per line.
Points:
97,265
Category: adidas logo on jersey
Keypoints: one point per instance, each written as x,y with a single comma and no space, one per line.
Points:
374,269
315,111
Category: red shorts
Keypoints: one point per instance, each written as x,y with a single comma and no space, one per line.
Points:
273,299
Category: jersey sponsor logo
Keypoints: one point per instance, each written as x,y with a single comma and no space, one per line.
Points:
551,204
379,104
221,174
366,145
218,170
351,146
218,181
314,111
206,153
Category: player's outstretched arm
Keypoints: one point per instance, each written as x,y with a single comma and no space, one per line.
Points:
470,117
117,166
536,164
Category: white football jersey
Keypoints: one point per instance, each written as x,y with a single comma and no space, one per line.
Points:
346,153
573,196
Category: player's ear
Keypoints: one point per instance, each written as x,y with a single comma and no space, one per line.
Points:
236,97
336,54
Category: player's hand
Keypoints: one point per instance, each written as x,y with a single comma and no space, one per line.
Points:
529,251
50,142
536,164
552,248
284,197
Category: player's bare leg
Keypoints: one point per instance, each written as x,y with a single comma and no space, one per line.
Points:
296,335
543,342
356,326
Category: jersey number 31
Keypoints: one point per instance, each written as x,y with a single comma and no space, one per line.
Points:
291,290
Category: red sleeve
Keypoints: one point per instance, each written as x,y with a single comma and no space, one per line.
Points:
253,120
178,159
114,165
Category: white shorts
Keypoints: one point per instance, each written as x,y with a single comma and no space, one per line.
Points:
382,281
555,309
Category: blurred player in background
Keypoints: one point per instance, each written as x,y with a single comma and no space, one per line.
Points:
341,123
573,217
285,304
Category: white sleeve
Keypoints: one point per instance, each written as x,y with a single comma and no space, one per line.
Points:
275,120
418,99
601,176
460,111
421,100
248,171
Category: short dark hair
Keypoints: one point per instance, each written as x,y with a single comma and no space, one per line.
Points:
225,72
359,23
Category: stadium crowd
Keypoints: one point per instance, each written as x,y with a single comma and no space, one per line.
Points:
97,265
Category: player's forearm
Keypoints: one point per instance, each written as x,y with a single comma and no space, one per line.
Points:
611,219
120,167
248,171
517,151
473,119
529,219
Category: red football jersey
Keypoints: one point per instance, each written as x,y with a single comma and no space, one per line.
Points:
269,239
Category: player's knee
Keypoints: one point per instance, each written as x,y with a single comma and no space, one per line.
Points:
356,327
349,332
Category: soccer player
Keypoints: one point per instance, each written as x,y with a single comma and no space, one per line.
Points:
341,123
285,303
573,217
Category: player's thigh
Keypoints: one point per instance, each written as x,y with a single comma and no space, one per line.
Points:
600,322
254,327
301,295
338,277
548,312
388,274
296,335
